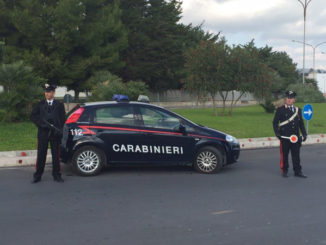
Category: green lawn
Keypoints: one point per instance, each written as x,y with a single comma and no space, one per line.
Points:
246,122
18,136
250,121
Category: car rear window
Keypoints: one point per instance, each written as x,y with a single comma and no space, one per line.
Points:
122,115
75,108
85,117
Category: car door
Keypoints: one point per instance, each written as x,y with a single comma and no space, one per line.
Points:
115,125
164,140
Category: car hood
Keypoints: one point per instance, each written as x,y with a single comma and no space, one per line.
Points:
213,132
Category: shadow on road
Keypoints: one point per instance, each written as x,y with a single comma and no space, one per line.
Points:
148,169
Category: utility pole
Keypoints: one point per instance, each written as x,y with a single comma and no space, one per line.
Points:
304,4
314,53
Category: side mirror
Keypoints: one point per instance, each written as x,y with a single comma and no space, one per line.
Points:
182,129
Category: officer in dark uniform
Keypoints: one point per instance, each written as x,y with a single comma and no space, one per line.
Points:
287,121
49,117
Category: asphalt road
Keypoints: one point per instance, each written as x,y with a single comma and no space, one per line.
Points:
247,203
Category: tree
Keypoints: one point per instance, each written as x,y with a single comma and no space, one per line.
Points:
283,65
208,69
66,41
245,69
307,93
109,84
193,35
310,81
22,87
155,52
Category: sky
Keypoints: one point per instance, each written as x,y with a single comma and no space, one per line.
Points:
270,22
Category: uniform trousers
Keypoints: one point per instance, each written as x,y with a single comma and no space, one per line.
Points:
42,148
285,147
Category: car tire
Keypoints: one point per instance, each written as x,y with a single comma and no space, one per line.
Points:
208,160
88,160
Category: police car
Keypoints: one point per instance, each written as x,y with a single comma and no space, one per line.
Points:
97,134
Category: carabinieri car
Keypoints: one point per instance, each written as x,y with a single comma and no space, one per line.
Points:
100,133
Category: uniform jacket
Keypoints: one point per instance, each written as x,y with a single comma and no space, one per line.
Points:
282,114
40,113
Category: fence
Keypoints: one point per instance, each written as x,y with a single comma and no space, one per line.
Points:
181,98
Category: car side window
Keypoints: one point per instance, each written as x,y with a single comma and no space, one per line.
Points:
120,115
189,128
158,119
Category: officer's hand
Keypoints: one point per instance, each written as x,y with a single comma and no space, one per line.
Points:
304,137
278,136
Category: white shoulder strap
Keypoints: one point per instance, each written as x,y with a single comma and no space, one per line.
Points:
291,118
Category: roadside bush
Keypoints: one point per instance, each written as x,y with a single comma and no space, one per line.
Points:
307,93
21,88
135,88
312,82
111,84
268,106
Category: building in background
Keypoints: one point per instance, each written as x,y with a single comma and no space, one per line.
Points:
320,77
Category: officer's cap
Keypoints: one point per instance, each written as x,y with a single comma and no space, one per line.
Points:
49,87
290,94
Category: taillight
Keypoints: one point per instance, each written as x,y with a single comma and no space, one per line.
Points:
73,118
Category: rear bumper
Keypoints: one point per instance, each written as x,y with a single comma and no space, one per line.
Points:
64,156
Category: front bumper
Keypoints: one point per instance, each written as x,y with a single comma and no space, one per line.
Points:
233,153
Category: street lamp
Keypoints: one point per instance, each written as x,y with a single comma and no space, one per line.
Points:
314,53
304,4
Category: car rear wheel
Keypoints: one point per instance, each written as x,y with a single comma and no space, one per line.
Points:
88,161
208,160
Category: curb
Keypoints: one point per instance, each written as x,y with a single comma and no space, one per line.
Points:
20,158
28,158
268,142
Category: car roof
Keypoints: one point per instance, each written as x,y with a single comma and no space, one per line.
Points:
101,103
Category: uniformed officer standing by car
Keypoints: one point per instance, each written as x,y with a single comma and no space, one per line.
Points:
49,117
287,122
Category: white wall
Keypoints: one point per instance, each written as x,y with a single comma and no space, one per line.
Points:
61,91
321,80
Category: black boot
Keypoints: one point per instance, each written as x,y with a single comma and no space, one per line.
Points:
285,174
35,180
58,179
300,175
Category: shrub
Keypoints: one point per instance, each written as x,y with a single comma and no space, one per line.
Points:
111,84
135,88
307,93
268,106
22,88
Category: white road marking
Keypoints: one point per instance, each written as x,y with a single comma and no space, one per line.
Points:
9,168
223,212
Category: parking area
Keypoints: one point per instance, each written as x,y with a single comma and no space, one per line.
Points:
247,203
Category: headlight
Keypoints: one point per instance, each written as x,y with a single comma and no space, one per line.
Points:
231,139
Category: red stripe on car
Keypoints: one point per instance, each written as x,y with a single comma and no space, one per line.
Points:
88,131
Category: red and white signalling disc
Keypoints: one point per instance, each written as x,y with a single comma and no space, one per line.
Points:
294,138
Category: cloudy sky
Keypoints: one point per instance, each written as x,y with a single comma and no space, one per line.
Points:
272,22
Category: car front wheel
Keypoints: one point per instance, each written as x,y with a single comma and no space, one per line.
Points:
208,160
88,160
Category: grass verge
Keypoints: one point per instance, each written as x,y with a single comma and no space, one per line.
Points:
246,122
251,121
